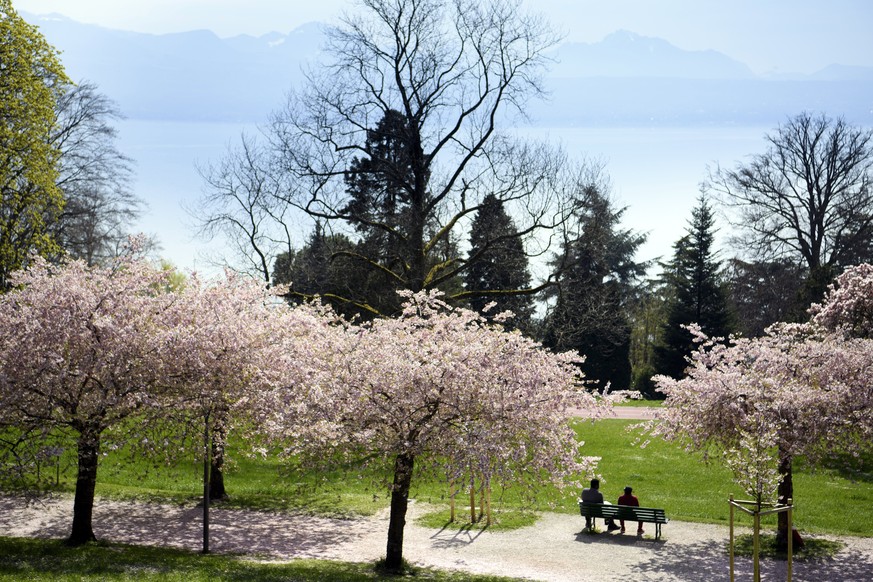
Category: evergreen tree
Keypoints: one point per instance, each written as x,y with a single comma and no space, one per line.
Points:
498,265
595,289
697,292
383,207
323,268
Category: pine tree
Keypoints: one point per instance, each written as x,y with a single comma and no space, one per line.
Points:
594,292
697,292
498,265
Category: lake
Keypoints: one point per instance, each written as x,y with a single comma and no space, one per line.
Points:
655,172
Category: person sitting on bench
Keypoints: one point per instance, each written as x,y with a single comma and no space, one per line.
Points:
593,495
629,499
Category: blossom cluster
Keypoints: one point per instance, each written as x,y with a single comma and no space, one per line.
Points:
799,389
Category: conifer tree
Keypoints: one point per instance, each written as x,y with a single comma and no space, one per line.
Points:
498,265
594,292
697,292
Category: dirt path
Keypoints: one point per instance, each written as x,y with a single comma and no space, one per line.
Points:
553,549
621,412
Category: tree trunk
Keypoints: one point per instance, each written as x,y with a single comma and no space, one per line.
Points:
786,492
403,465
86,481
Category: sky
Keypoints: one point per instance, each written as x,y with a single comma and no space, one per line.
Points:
767,35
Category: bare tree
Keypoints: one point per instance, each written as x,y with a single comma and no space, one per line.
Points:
94,176
411,105
807,198
243,204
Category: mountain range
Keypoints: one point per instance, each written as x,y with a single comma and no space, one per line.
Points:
624,79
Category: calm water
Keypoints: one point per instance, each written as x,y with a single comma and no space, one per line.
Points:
655,172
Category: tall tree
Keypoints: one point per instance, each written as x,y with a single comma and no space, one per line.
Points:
397,135
807,198
697,293
598,275
94,176
648,316
499,265
31,76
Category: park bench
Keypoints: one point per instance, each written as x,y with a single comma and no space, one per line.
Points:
625,512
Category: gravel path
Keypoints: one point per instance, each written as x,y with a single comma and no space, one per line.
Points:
553,549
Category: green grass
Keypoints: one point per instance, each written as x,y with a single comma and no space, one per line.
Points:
50,561
642,403
664,475
502,519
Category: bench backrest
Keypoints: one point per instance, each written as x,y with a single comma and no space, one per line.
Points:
626,512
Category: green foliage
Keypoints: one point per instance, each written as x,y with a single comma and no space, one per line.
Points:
697,293
498,263
326,266
598,272
30,200
47,560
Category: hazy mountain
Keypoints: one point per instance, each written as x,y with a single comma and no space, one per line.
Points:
623,79
625,54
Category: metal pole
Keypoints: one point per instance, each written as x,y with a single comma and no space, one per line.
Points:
756,546
207,450
790,539
731,503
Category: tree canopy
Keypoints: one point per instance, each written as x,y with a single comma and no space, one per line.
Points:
31,78
807,198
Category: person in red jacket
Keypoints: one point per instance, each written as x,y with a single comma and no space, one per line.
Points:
629,499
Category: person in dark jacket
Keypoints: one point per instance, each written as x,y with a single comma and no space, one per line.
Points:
630,499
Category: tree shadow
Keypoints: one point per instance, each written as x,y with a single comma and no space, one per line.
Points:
448,537
274,534
710,561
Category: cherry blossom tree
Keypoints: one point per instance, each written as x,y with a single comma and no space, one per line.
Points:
78,360
798,390
117,355
848,305
438,388
222,342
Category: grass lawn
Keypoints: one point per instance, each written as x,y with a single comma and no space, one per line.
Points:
51,561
